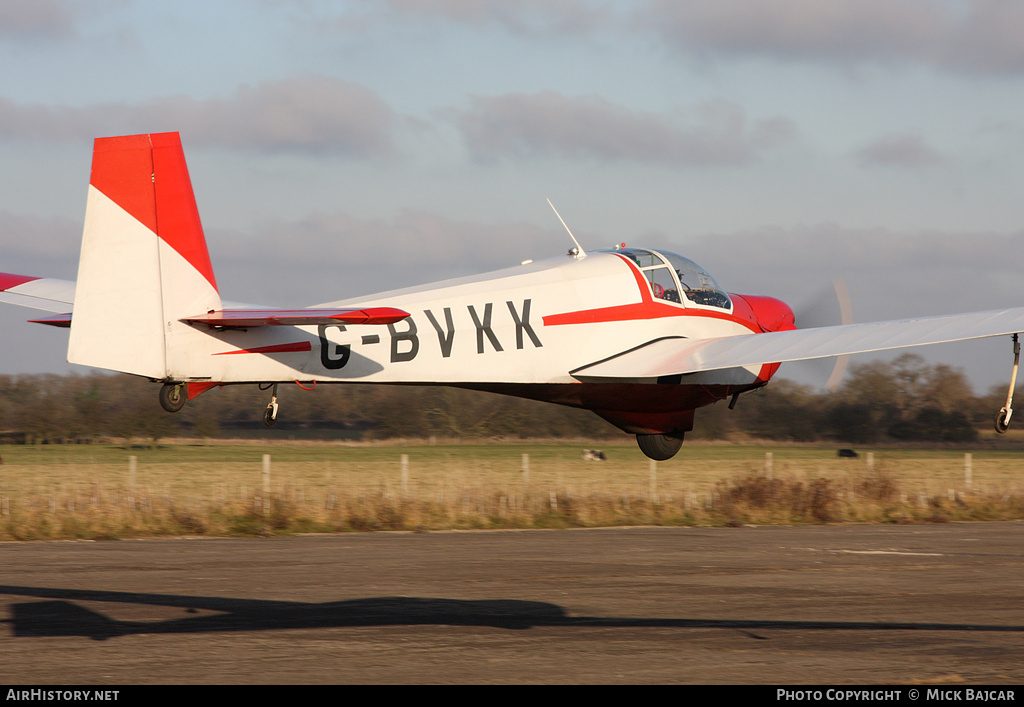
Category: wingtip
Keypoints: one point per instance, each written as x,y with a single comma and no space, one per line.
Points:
10,280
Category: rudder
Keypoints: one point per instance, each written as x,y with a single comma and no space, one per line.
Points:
144,262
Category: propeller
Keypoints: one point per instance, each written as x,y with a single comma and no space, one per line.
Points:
826,311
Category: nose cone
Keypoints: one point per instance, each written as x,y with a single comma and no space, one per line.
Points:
772,314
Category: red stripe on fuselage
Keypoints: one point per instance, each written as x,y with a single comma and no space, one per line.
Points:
646,308
297,347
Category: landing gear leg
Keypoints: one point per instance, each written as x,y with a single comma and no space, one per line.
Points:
270,415
1003,418
172,396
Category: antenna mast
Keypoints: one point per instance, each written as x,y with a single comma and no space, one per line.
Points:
580,253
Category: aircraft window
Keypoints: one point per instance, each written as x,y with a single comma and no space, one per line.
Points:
663,285
693,281
643,258
698,286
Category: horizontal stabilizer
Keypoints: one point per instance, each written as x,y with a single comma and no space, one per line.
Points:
671,357
248,318
37,292
61,320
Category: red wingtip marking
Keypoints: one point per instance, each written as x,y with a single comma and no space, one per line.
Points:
7,280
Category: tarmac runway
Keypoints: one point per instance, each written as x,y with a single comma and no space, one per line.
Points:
923,604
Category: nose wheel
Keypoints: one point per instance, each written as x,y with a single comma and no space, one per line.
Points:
1003,418
659,447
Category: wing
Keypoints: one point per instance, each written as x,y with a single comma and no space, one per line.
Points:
43,293
675,356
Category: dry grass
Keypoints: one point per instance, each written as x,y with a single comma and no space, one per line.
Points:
93,492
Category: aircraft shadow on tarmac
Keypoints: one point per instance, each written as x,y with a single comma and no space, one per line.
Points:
60,616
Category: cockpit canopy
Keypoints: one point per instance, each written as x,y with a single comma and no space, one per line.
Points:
672,275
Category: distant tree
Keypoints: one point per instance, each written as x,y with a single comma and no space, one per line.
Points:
935,425
784,411
946,388
852,422
906,399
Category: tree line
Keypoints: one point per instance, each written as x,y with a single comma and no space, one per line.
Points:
902,400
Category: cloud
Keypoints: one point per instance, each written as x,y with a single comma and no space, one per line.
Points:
43,247
33,19
330,256
971,36
309,114
898,150
524,17
890,274
551,124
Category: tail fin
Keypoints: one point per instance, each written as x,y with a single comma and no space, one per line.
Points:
144,263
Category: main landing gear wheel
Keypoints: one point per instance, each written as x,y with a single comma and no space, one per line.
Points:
1003,421
659,447
172,396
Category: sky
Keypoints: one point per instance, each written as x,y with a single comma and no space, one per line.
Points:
343,148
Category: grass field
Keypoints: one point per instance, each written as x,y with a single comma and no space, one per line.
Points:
108,491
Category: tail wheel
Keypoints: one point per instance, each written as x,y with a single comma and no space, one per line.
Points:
659,447
172,397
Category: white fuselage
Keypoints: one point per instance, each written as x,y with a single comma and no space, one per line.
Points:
531,324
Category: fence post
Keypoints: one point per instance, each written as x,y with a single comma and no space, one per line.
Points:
133,465
405,474
266,484
652,491
968,470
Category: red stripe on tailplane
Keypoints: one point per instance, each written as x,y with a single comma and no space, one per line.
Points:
374,315
247,318
146,175
61,320
297,347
